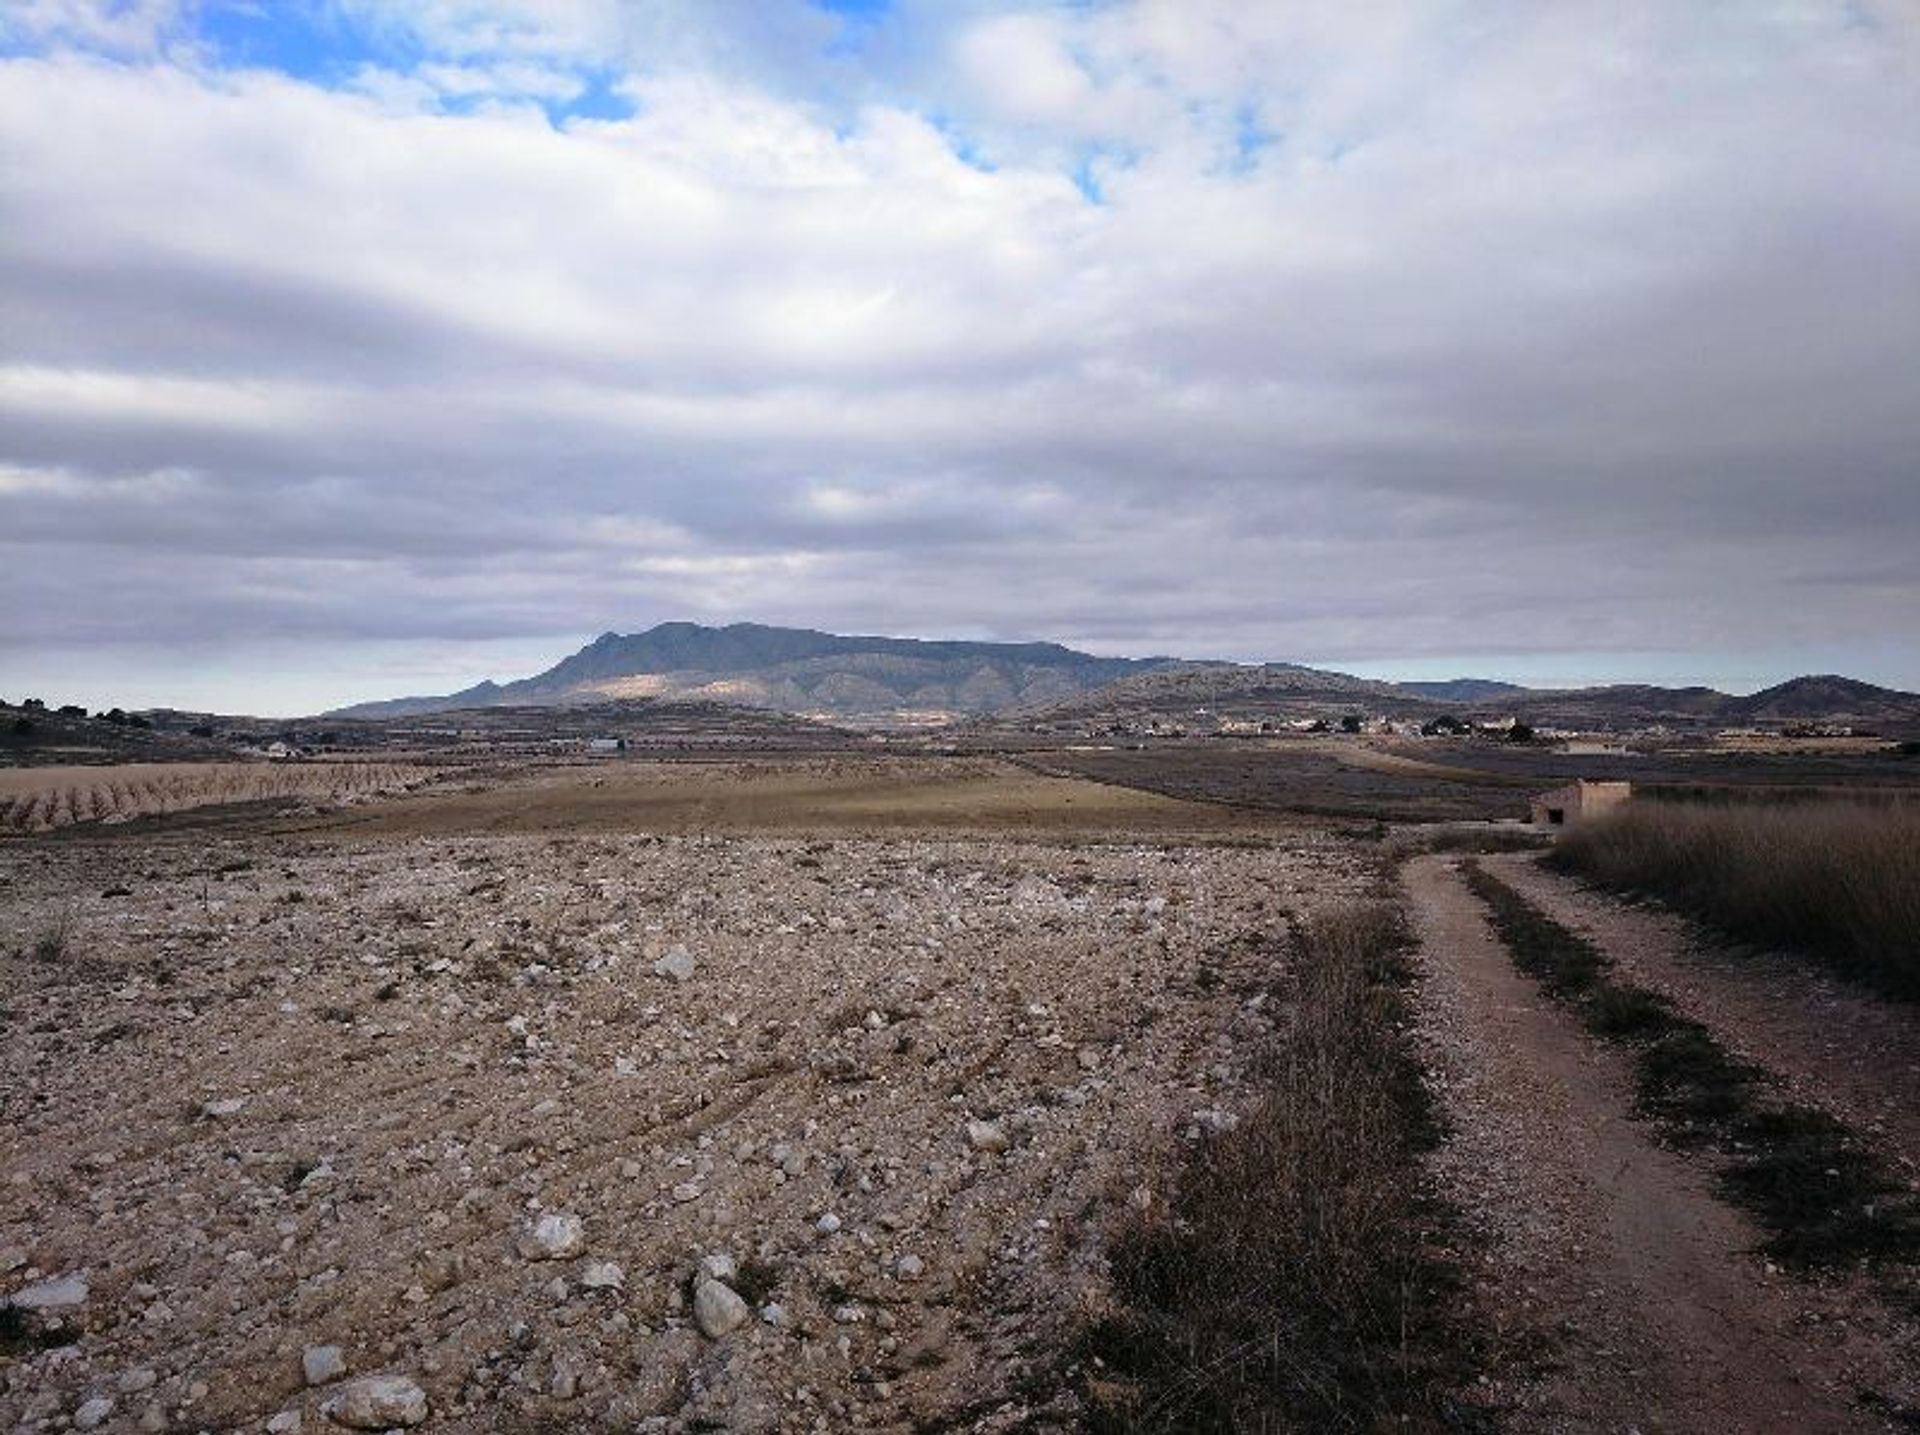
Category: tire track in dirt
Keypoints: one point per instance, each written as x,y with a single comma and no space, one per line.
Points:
1833,1045
1663,1320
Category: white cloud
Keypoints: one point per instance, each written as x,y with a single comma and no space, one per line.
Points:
1385,325
125,27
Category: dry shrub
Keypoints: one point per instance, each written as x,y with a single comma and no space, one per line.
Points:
42,800
1297,1280
1838,879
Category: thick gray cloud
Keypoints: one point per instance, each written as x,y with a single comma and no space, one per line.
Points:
1583,334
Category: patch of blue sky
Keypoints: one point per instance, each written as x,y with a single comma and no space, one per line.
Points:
600,98
859,20
1087,181
964,147
1092,167
1251,139
863,10
316,44
307,41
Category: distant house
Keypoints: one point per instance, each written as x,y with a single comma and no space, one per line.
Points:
607,745
1578,801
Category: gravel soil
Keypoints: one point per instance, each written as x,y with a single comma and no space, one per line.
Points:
1654,1313
268,1093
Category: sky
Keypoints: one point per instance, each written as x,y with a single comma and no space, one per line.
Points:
351,348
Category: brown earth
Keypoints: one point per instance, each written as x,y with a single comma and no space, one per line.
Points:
794,795
268,1089
277,1077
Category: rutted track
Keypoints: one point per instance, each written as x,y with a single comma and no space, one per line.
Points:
1837,1046
1663,1318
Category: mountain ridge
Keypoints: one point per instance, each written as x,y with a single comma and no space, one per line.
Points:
894,681
802,670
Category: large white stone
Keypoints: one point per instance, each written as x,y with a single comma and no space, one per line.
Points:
718,1309
321,1363
556,1236
58,1293
677,965
377,1402
986,1136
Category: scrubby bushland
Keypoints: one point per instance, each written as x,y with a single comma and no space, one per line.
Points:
1838,879
1297,1278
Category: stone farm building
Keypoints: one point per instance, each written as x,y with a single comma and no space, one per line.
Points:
1578,801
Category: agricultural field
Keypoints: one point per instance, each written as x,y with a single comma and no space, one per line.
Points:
353,1083
1398,780
829,1091
40,799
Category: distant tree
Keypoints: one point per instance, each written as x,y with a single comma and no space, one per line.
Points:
1350,723
203,730
71,710
1318,725
1519,732
23,725
1446,725
135,720
33,705
115,716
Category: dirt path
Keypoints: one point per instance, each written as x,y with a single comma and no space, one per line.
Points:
1664,1322
1833,1045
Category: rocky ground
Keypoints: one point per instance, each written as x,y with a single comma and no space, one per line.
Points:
609,1132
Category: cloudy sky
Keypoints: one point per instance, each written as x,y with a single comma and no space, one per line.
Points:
358,347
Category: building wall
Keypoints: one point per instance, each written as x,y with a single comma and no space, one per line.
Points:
1577,802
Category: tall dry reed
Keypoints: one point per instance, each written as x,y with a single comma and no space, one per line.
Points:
1837,879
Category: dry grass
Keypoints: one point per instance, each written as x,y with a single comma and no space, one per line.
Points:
1836,878
1297,1280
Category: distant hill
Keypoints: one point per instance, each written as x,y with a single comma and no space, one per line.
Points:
1187,693
1619,705
799,670
1826,698
1462,690
883,681
1222,690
